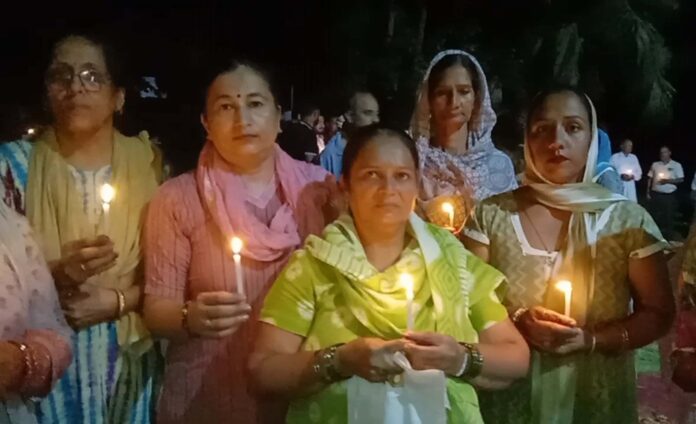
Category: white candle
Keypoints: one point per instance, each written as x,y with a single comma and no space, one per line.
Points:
237,244
406,281
628,172
449,210
567,288
107,194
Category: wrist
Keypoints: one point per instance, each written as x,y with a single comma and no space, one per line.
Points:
463,359
339,362
14,365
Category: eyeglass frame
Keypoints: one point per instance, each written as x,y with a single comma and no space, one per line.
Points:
65,83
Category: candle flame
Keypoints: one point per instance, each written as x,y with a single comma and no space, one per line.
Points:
107,193
406,281
565,286
236,244
31,131
447,207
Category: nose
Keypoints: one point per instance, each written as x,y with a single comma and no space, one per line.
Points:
243,117
76,84
559,140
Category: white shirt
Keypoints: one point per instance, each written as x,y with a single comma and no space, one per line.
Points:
693,183
671,171
628,164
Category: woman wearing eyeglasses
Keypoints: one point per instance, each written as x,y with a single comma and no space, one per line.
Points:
95,260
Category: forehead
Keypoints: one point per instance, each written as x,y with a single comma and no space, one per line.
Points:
384,151
561,105
240,82
365,101
78,52
455,74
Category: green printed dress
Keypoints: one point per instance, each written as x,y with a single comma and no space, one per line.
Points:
329,294
605,390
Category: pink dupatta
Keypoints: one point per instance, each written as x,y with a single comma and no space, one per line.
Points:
307,192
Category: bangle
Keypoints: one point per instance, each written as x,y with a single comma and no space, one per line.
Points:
325,365
184,317
625,340
594,343
121,303
465,363
476,362
515,317
26,359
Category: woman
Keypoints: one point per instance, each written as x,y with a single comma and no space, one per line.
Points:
244,186
337,307
562,226
34,338
452,124
94,258
684,355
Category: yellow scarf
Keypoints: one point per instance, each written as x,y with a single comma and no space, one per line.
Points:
54,208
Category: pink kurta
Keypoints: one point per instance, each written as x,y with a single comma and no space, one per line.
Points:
206,380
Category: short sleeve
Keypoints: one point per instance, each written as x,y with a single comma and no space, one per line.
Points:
487,312
651,173
679,171
645,239
167,248
476,228
291,303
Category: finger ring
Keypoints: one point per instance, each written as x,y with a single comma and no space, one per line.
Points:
208,323
83,267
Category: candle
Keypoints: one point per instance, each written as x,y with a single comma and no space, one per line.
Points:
107,194
406,281
449,210
628,172
237,244
567,288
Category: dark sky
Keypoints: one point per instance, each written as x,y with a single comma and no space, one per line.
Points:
176,40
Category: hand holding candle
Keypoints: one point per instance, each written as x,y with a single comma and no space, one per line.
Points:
406,281
236,244
567,288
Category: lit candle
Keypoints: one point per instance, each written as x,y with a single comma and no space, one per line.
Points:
237,244
406,281
567,288
629,172
661,175
449,210
31,131
107,194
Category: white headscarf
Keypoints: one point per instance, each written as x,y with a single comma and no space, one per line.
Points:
483,170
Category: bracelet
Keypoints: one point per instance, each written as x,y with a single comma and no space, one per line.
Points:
184,317
121,303
515,317
465,363
594,343
325,365
476,363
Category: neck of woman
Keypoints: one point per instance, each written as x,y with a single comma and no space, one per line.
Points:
87,151
257,175
383,244
454,141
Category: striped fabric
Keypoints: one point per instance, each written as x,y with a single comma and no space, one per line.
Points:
100,386
205,380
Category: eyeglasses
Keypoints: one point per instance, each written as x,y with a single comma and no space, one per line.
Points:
62,78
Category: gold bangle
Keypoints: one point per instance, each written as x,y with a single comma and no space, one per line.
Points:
625,340
121,303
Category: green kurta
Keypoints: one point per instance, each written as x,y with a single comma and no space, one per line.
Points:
329,293
605,386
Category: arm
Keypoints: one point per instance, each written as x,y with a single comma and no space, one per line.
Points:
637,170
477,248
278,366
654,307
506,356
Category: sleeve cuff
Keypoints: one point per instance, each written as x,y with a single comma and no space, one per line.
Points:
477,236
648,250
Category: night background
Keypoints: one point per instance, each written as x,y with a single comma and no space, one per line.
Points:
634,58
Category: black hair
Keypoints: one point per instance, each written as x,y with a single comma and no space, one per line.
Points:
539,99
113,56
361,137
227,66
307,108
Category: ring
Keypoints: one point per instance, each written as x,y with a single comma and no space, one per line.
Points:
208,323
83,267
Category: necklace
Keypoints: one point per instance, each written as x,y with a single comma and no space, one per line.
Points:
536,231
